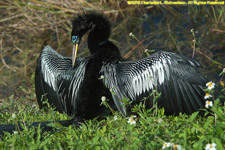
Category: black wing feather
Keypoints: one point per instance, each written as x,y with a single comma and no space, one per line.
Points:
55,79
173,75
45,91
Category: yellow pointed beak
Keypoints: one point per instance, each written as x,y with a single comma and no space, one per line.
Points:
74,54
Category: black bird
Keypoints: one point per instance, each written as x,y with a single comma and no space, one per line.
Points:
73,86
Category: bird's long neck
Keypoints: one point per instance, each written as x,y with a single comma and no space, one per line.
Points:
99,33
96,38
98,26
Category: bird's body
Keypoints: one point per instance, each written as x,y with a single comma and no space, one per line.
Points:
77,90
74,90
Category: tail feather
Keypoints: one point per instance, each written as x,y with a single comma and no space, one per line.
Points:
10,128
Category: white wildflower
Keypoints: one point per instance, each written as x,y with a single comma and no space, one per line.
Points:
177,147
103,98
207,96
101,77
210,146
165,145
131,34
131,120
210,85
208,104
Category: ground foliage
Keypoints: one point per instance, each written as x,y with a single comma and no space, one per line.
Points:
151,131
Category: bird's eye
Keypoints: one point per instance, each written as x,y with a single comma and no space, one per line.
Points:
74,38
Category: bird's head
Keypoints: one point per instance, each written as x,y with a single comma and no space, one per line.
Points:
98,26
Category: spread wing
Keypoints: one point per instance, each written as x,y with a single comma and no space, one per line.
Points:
172,75
57,81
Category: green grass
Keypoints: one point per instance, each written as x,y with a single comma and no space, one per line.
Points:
151,130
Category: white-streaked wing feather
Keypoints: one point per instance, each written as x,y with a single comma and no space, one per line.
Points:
133,79
53,64
58,74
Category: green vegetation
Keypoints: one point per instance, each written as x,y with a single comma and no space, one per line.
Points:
27,26
151,130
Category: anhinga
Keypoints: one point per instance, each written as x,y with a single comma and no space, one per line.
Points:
72,85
